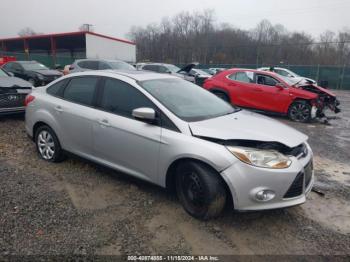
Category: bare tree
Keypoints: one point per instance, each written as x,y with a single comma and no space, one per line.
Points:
189,37
27,31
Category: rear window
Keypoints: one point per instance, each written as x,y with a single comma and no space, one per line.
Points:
81,90
57,88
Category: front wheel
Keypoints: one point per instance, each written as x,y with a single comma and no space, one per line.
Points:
200,190
300,111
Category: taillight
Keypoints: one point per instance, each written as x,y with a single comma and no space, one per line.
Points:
28,100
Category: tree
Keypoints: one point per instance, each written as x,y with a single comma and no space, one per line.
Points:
27,31
188,37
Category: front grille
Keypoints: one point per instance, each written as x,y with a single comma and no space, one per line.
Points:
12,100
308,173
296,189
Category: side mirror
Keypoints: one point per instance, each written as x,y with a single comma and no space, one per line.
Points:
280,86
144,114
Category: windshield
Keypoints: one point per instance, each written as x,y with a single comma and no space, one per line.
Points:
120,65
3,73
34,66
286,72
173,69
290,81
186,100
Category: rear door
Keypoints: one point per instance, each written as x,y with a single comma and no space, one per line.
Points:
75,114
241,87
121,141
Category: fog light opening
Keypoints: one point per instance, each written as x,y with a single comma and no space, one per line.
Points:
265,195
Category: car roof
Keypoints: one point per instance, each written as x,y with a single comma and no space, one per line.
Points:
253,71
163,64
137,75
102,60
24,62
275,67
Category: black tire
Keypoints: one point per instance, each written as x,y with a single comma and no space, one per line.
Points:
56,152
200,190
300,111
222,95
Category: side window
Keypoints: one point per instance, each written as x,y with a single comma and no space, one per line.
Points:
162,69
150,68
16,67
56,89
244,77
103,66
81,90
266,80
121,98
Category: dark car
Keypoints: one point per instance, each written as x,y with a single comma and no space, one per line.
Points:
13,92
32,71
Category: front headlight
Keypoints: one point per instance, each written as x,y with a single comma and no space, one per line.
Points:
260,158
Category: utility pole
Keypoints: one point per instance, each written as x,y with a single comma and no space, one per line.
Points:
87,27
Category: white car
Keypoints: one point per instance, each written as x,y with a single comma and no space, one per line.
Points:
287,73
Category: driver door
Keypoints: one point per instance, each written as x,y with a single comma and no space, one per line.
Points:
270,97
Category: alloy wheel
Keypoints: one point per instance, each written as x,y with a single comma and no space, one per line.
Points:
46,145
300,112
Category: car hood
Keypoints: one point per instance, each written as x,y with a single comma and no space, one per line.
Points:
245,125
204,76
14,82
47,72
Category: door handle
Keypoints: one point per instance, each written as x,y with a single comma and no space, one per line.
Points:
59,109
104,122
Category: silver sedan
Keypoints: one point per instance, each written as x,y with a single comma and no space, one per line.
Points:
175,134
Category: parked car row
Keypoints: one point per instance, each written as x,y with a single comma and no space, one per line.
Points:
188,72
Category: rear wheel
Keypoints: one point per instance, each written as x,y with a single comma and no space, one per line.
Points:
47,144
300,111
200,190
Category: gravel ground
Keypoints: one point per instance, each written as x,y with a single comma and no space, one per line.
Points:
78,208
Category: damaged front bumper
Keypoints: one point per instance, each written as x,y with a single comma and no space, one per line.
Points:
287,187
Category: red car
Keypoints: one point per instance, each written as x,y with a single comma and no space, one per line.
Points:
269,92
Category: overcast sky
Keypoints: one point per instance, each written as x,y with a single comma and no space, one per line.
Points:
115,17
